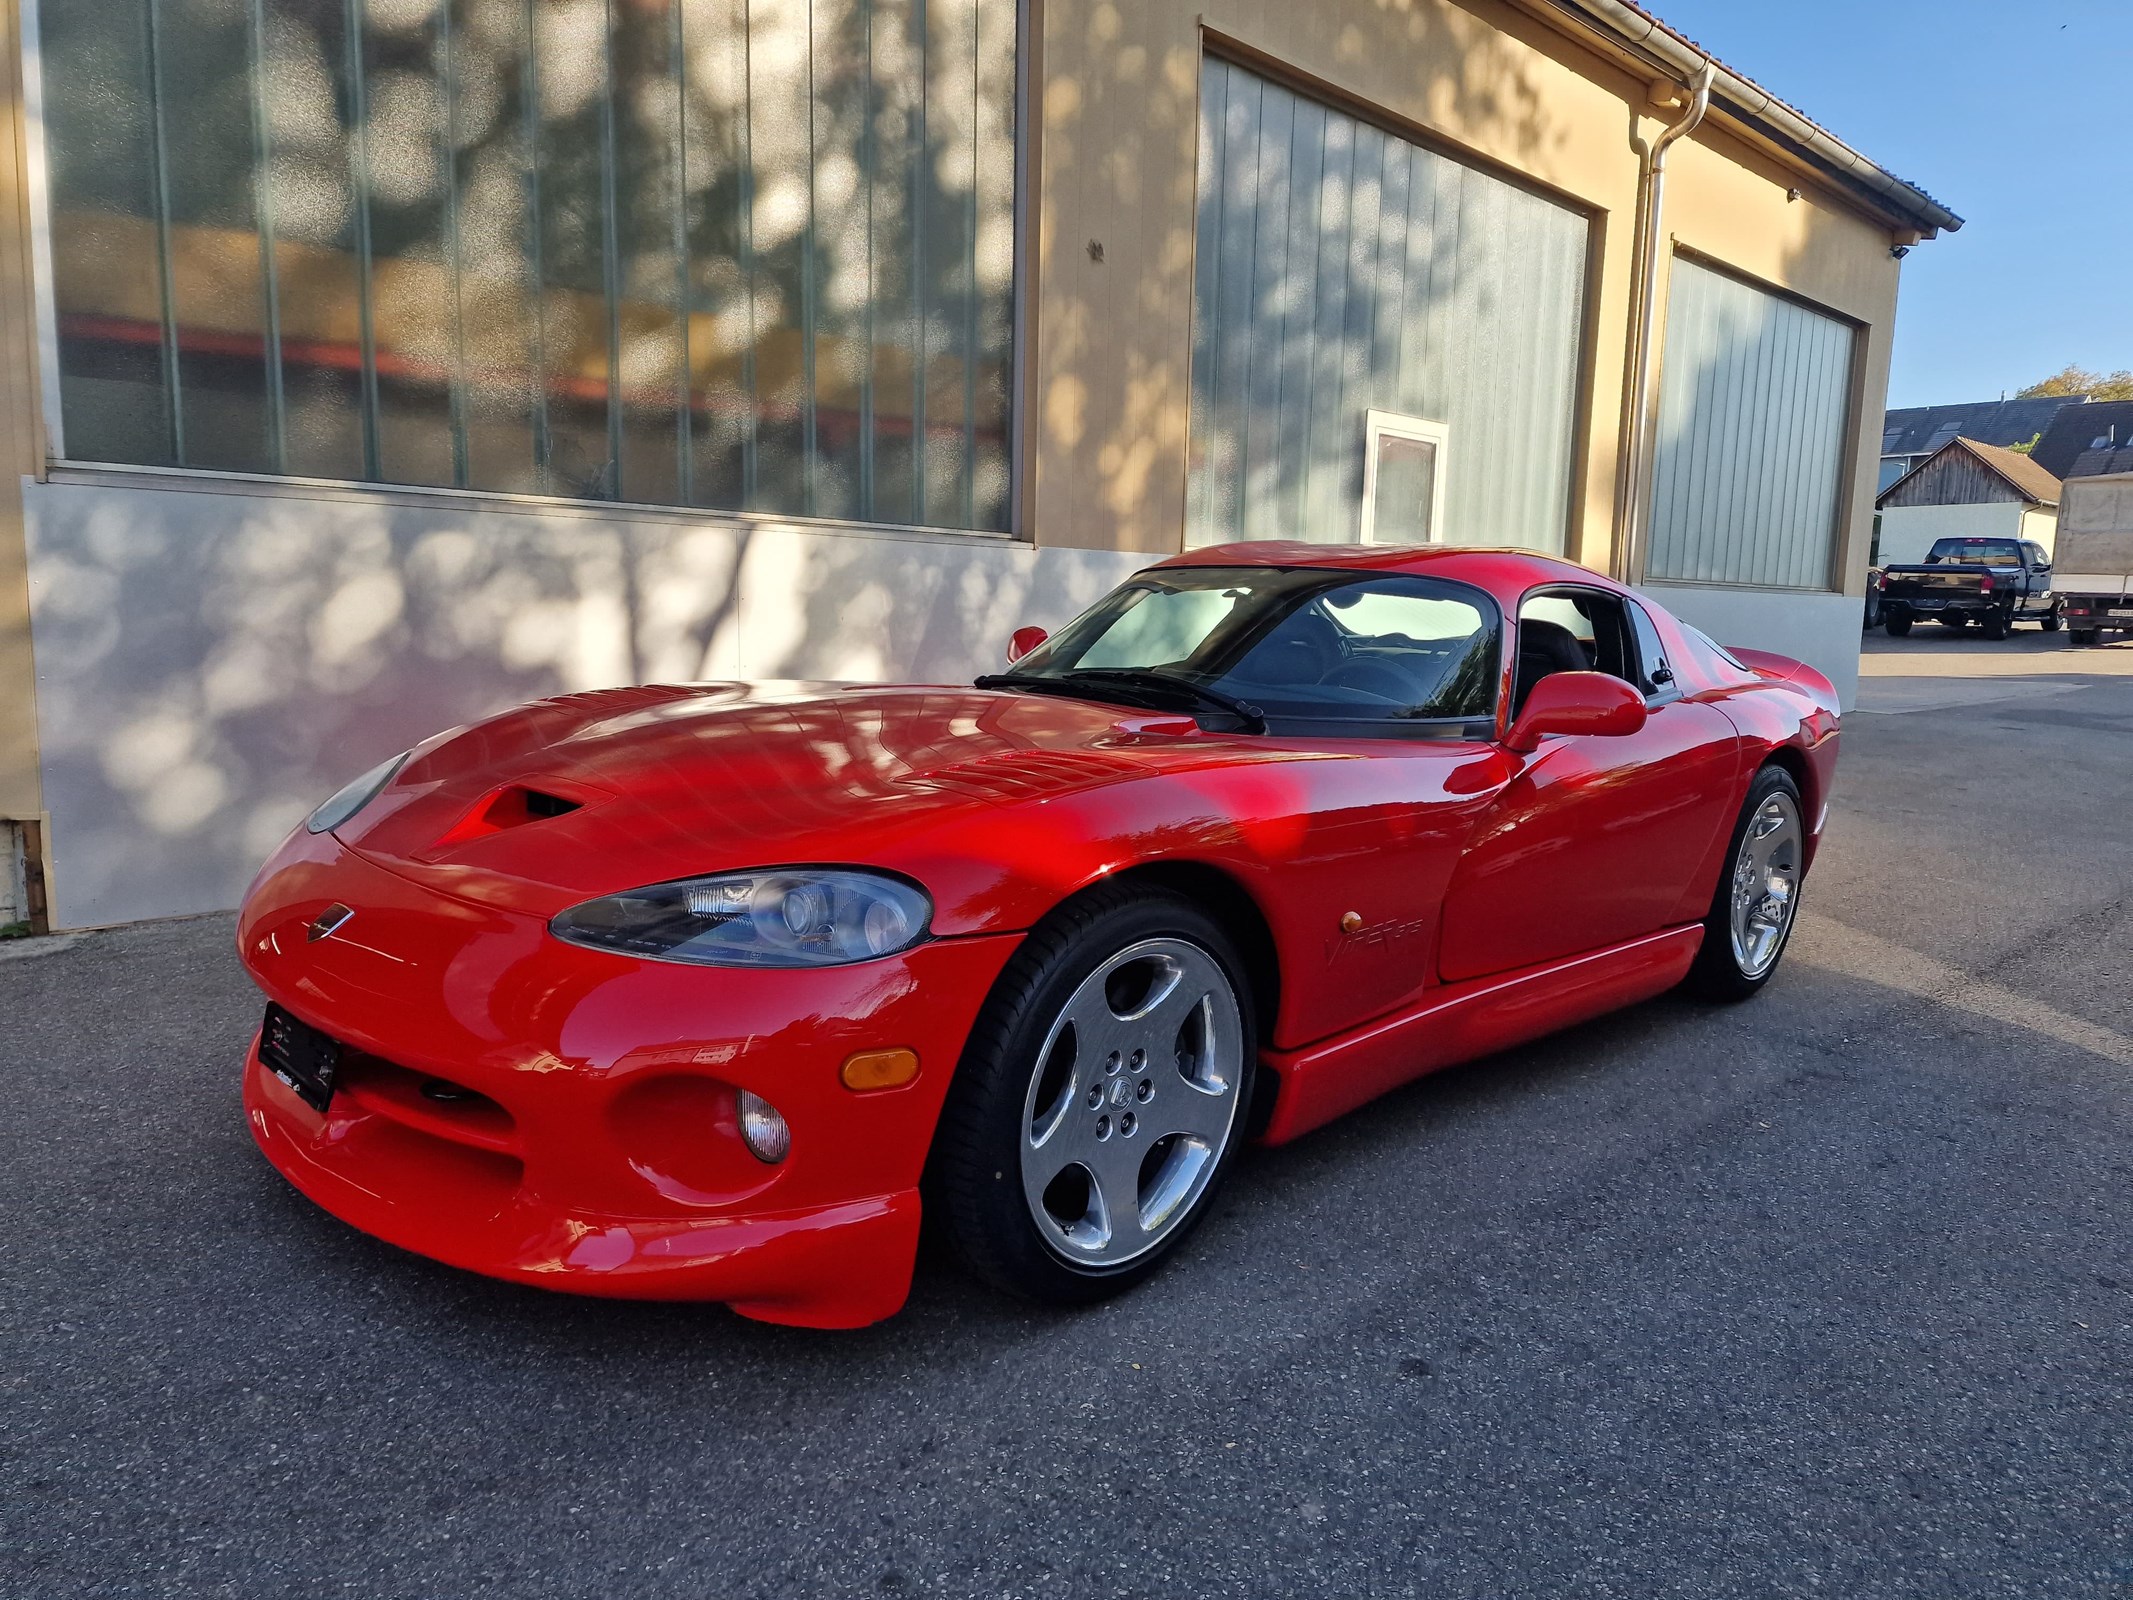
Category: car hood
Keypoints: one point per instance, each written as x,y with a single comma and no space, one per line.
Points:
590,794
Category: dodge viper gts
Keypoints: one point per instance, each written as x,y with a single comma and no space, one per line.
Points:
693,991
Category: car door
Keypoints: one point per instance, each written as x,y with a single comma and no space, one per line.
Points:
2037,593
1594,840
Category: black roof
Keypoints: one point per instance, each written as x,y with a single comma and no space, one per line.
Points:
1920,430
2086,441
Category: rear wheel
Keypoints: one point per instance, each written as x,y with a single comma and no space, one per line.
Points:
2082,636
1101,1099
1996,626
1953,623
1896,624
1752,911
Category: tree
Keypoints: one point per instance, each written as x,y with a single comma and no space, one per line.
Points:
2071,380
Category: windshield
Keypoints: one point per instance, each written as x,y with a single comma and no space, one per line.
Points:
1295,645
1979,552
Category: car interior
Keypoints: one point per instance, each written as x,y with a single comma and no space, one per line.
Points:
1365,649
1576,630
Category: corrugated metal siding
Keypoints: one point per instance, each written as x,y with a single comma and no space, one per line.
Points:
1753,407
1342,268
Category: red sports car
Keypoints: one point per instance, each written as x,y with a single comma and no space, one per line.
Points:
692,991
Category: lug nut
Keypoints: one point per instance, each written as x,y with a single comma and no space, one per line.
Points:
1111,1065
1139,1058
1103,1127
1096,1096
1143,1090
1127,1123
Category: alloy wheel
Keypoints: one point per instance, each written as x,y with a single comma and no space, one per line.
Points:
1766,884
1131,1103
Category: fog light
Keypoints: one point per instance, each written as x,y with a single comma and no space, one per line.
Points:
763,1130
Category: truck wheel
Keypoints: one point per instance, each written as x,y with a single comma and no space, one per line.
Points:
2081,638
2049,622
1895,625
1953,623
1996,626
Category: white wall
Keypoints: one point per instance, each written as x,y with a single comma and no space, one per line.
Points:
2042,526
210,664
1820,629
1908,532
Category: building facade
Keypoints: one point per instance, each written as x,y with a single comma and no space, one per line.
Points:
372,364
1966,489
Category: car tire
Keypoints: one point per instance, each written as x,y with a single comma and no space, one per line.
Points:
1051,1153
1953,624
1996,626
1896,627
2049,622
2081,638
1742,945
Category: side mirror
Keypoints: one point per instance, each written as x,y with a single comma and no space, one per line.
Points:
1576,702
1024,641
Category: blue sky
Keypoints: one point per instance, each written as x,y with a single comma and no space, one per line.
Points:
2019,117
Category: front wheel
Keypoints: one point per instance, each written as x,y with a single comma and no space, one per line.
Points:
2049,622
2081,638
1101,1099
1752,912
1952,622
1896,625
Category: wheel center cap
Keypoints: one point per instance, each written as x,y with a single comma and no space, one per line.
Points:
1121,1091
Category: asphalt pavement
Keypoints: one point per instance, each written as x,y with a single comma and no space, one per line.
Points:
1829,1294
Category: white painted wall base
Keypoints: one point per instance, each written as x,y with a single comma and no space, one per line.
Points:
211,664
1820,629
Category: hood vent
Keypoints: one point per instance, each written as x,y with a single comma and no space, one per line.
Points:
510,807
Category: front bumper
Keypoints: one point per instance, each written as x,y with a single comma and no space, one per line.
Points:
566,1118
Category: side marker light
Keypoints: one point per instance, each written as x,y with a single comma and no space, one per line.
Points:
879,1069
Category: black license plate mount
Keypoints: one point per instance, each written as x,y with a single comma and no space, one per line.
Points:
300,1055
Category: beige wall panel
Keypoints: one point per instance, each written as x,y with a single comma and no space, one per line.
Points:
20,444
1120,140
1727,201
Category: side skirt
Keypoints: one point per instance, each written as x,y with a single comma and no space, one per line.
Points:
1463,1021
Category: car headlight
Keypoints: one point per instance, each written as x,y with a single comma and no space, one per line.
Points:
347,802
786,917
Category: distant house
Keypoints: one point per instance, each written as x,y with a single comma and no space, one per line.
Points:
1912,434
1966,489
2088,441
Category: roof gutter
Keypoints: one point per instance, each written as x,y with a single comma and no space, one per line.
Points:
1653,46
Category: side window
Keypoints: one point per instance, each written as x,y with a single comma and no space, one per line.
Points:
1654,676
1573,630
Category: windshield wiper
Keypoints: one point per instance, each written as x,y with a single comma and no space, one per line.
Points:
1135,685
1244,711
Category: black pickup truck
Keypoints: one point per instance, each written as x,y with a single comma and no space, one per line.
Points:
1992,582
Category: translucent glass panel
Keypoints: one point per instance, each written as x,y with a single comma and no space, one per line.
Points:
1754,402
1341,268
730,253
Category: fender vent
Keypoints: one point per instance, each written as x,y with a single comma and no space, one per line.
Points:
1028,774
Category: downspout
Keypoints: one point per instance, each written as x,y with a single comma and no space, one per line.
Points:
1632,501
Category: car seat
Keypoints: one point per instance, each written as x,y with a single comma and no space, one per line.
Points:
1544,647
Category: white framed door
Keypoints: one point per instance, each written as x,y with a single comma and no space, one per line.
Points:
1403,478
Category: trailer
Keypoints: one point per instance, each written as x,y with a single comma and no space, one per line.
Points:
2094,576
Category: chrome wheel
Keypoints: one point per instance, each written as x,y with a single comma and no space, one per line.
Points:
1766,884
1132,1102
